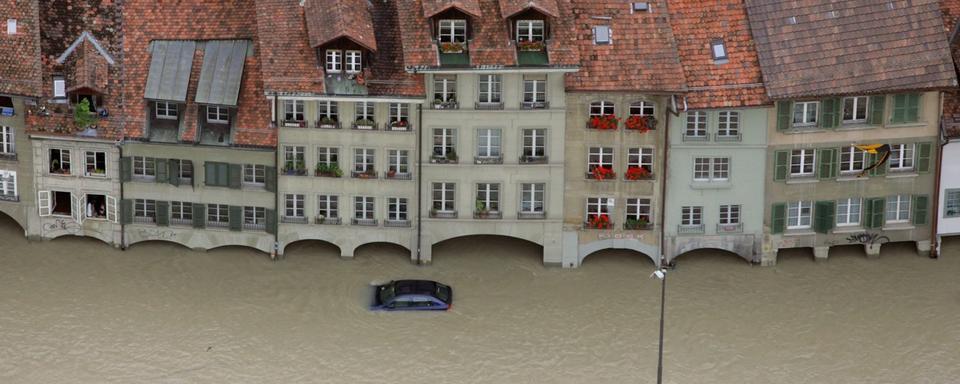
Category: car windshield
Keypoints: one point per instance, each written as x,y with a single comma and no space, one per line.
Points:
443,293
387,292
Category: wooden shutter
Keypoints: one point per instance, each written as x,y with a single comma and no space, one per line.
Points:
126,211
163,170
112,209
878,171
924,152
271,221
236,218
920,208
781,165
874,213
271,179
163,213
830,112
209,173
876,110
827,159
199,215
899,109
223,175
784,117
234,175
824,216
126,169
44,203
174,166
778,218
912,109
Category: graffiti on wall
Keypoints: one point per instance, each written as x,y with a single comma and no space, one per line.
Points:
867,238
61,225
156,234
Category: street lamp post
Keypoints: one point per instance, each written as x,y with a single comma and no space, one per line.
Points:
661,273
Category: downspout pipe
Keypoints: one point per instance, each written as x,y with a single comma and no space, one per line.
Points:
123,227
935,211
663,183
276,183
419,181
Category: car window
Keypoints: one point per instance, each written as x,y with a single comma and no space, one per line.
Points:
401,302
443,292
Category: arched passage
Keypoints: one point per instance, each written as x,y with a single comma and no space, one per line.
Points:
381,248
488,247
312,248
712,255
628,256
9,224
625,244
235,249
159,246
80,238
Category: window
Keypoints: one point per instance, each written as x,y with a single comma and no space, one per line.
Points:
443,197
144,167
488,197
906,108
328,156
851,160
729,214
186,169
696,124
8,183
489,89
254,218
719,50
326,110
254,174
534,142
602,108
452,31
11,26
640,157
218,215
711,169
363,159
62,203
166,111
399,162
293,206
602,34
60,161
6,140
597,206
334,60
642,108
728,124
328,206
951,203
145,211
901,157
600,157
364,111
855,109
353,61
848,212
898,209
399,112
181,212
805,113
363,207
534,91
218,115
801,162
691,215
798,214
529,30
59,88
95,163
445,88
397,209
488,142
444,142
293,157
638,210
293,110
531,197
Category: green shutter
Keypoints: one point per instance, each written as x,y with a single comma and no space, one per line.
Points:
899,109
784,116
126,211
209,173
199,215
827,159
234,175
126,169
874,213
876,110
223,174
912,110
163,170
174,168
920,208
163,213
271,179
830,113
236,218
271,221
778,218
878,171
924,152
824,212
782,165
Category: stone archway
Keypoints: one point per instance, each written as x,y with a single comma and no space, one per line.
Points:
631,244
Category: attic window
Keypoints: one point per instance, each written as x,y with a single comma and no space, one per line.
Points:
640,6
792,20
59,88
719,51
601,34
11,26
833,14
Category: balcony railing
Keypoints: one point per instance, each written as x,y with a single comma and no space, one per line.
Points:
443,159
327,220
293,123
728,138
487,215
365,222
144,219
396,223
690,229
445,105
488,106
488,159
294,220
218,224
254,227
368,125
443,214
702,137
534,159
12,156
328,124
294,171
181,222
631,225
392,175
535,105
13,198
531,215
730,228
368,174
395,126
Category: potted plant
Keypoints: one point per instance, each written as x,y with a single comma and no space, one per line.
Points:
637,173
364,124
82,116
400,125
642,124
601,173
482,211
288,167
452,47
636,224
327,122
601,221
604,122
452,156
531,46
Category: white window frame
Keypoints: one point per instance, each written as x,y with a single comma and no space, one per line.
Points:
799,214
489,142
529,201
353,61
639,207
718,49
166,110
112,215
45,203
217,114
328,109
293,111
444,197
254,175
643,108
599,157
145,210
530,30
8,183
855,118
11,26
64,159
328,206
850,157
804,108
293,206
399,160
181,212
364,159
328,156
535,142
640,157
397,209
445,86
799,158
7,140
897,210
447,141
902,157
452,30
489,195
399,112
696,124
364,208
364,110
849,212
691,215
597,206
534,90
729,214
218,215
711,169
602,108
334,61
951,203
87,160
59,87
490,88
728,123
254,217
602,34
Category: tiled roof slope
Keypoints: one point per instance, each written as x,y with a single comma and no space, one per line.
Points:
853,46
433,7
491,43
737,82
20,73
289,63
951,13
389,76
146,20
418,48
328,20
951,98
509,8
642,58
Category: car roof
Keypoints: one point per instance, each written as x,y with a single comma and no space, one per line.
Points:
415,287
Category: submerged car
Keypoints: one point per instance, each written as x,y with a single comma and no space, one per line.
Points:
412,295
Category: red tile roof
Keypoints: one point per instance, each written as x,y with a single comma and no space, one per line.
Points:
642,57
433,7
86,68
20,73
328,20
491,44
389,76
735,82
850,47
508,8
951,12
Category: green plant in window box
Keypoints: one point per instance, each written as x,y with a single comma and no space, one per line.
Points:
452,156
82,117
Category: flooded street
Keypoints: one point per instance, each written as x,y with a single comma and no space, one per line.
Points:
76,311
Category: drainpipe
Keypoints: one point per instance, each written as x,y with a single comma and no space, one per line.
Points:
276,183
123,230
935,211
663,187
419,179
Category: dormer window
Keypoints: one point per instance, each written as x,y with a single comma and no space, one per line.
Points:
530,30
334,60
602,34
166,110
218,115
353,61
719,51
452,31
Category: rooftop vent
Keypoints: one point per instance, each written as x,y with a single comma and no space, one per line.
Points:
601,34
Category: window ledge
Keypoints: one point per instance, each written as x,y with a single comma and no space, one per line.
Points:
898,227
711,185
852,177
799,232
900,175
254,187
849,229
906,125
856,126
802,129
802,180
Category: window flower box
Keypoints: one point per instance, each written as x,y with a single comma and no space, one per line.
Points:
487,215
365,222
481,160
443,214
638,173
605,122
601,221
294,123
601,173
328,170
399,125
637,224
369,173
291,169
449,104
365,125
323,220
641,124
328,123
394,175
531,46
531,215
453,47
449,158
533,159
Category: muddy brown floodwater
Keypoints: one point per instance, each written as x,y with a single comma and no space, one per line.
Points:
75,311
